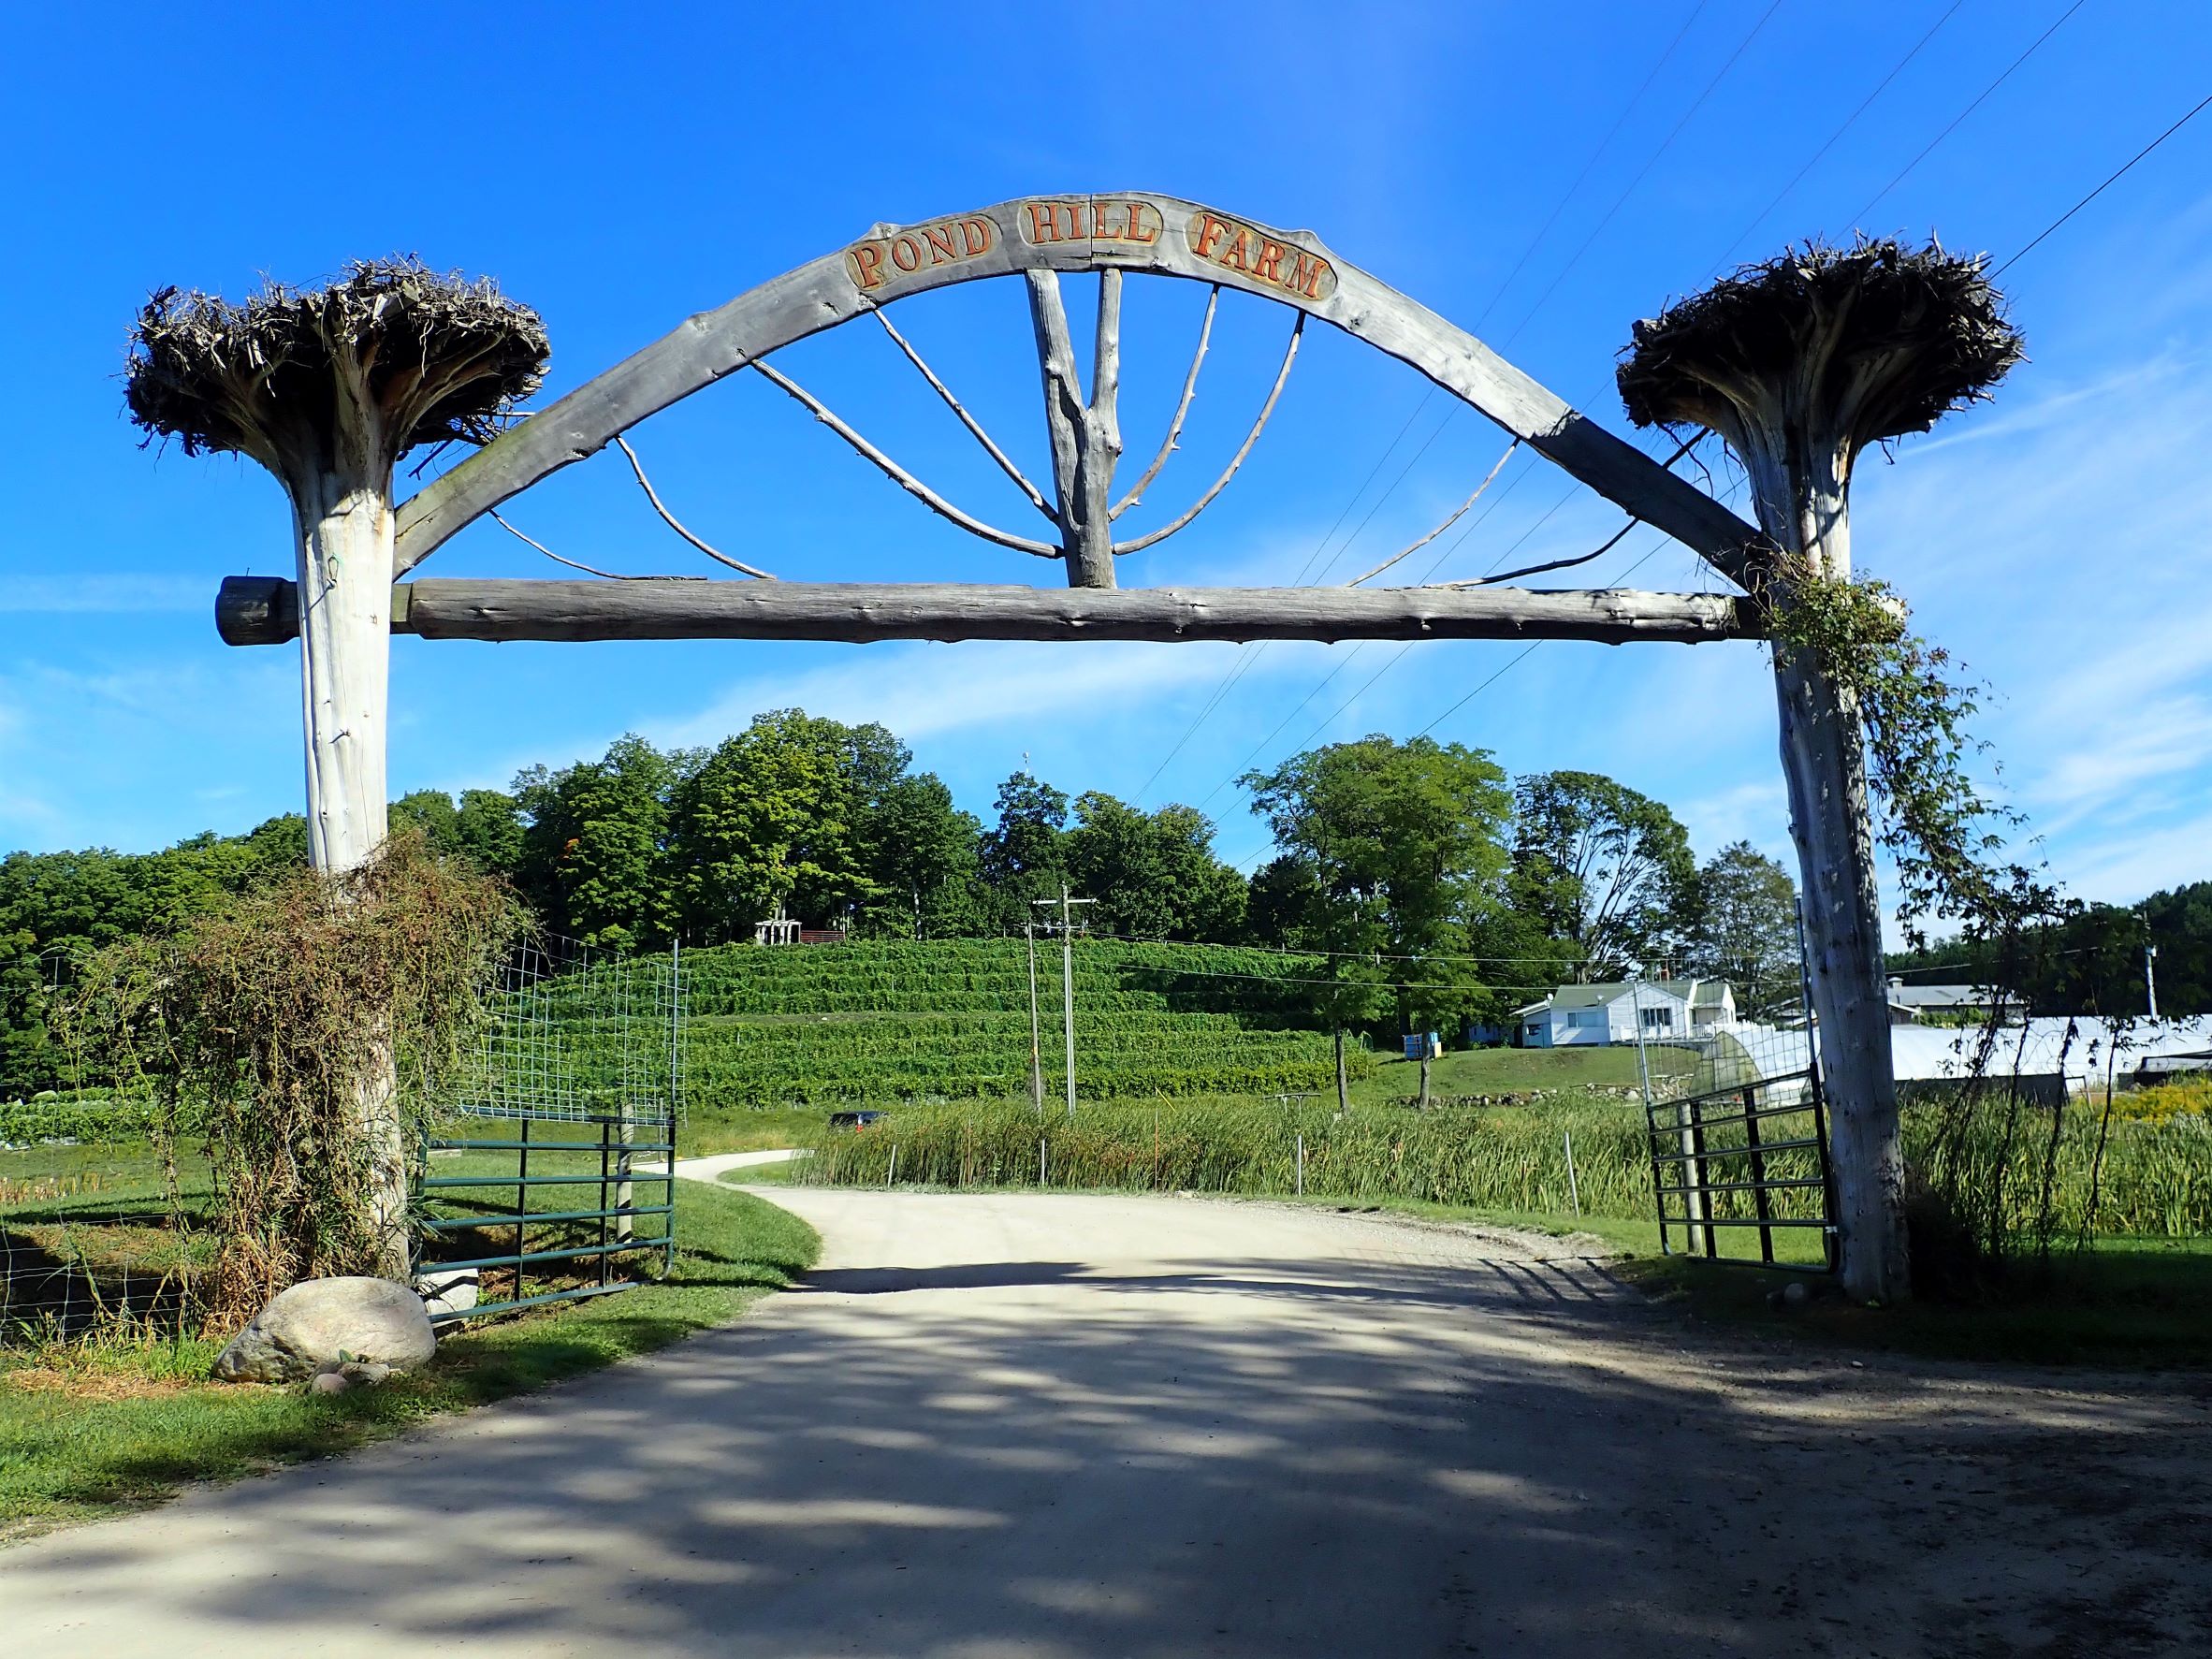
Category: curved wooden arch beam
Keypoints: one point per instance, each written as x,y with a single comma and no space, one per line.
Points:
1129,231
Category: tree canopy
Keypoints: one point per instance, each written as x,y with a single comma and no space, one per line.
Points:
1402,849
1443,894
1605,868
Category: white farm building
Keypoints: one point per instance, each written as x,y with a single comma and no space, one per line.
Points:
1589,1014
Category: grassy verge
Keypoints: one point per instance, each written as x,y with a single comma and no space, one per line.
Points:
2130,1303
90,1431
708,1130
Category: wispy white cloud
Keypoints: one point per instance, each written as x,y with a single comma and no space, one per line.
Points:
2122,869
925,692
114,592
1757,812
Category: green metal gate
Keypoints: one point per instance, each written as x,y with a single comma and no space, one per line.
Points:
549,1175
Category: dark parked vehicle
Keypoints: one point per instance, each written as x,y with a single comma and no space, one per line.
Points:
852,1120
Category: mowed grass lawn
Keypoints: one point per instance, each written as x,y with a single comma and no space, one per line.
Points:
95,1428
1517,1070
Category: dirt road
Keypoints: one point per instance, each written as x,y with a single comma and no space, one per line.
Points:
1049,1425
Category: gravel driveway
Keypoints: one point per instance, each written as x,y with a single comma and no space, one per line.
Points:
1066,1425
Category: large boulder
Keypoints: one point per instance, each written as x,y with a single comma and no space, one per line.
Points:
319,1322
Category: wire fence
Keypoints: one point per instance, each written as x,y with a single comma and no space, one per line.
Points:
529,1187
1738,1148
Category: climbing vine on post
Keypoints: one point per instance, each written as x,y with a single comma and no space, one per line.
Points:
1944,834
297,1028
1800,364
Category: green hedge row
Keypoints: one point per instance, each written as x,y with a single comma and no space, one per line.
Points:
88,1117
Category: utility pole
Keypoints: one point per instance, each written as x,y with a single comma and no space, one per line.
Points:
1066,980
1036,1063
2150,978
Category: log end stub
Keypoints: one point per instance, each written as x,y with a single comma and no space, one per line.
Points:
257,610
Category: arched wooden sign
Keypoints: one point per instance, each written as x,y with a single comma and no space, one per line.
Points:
1038,236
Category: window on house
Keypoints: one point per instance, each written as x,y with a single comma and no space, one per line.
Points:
1658,1019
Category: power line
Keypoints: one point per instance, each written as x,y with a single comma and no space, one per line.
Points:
2115,178
1983,97
1849,122
1611,133
1250,654
1665,144
2106,183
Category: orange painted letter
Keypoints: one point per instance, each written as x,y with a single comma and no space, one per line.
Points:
1137,233
868,259
1044,224
1210,232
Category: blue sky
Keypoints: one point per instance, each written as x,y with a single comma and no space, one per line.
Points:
621,169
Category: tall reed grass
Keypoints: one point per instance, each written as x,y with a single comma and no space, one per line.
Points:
2154,1178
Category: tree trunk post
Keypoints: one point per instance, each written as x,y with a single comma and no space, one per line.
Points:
1801,364
345,525
345,561
1343,1093
327,388
1804,506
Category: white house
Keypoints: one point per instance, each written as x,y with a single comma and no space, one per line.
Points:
1583,1014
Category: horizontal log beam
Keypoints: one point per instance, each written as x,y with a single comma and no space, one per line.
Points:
264,610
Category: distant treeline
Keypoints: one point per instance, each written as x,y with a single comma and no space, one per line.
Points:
1439,890
2091,961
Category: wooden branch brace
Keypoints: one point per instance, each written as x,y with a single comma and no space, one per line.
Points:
1458,513
1152,538
671,520
974,427
1190,382
901,476
1131,232
265,610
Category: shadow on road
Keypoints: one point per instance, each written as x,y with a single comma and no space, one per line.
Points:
1235,1457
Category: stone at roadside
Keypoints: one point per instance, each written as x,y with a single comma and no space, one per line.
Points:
446,1290
327,1382
319,1321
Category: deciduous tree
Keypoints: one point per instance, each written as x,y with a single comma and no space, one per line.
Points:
1605,868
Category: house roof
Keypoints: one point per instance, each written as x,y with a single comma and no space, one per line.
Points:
1696,993
1904,995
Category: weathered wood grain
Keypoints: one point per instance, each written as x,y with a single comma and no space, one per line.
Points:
257,611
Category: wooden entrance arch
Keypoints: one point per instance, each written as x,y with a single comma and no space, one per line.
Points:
1114,236
1039,237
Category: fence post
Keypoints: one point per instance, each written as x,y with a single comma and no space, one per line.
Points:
676,1085
521,1201
1574,1189
1652,1136
606,1260
1703,1180
1302,1165
1758,1173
